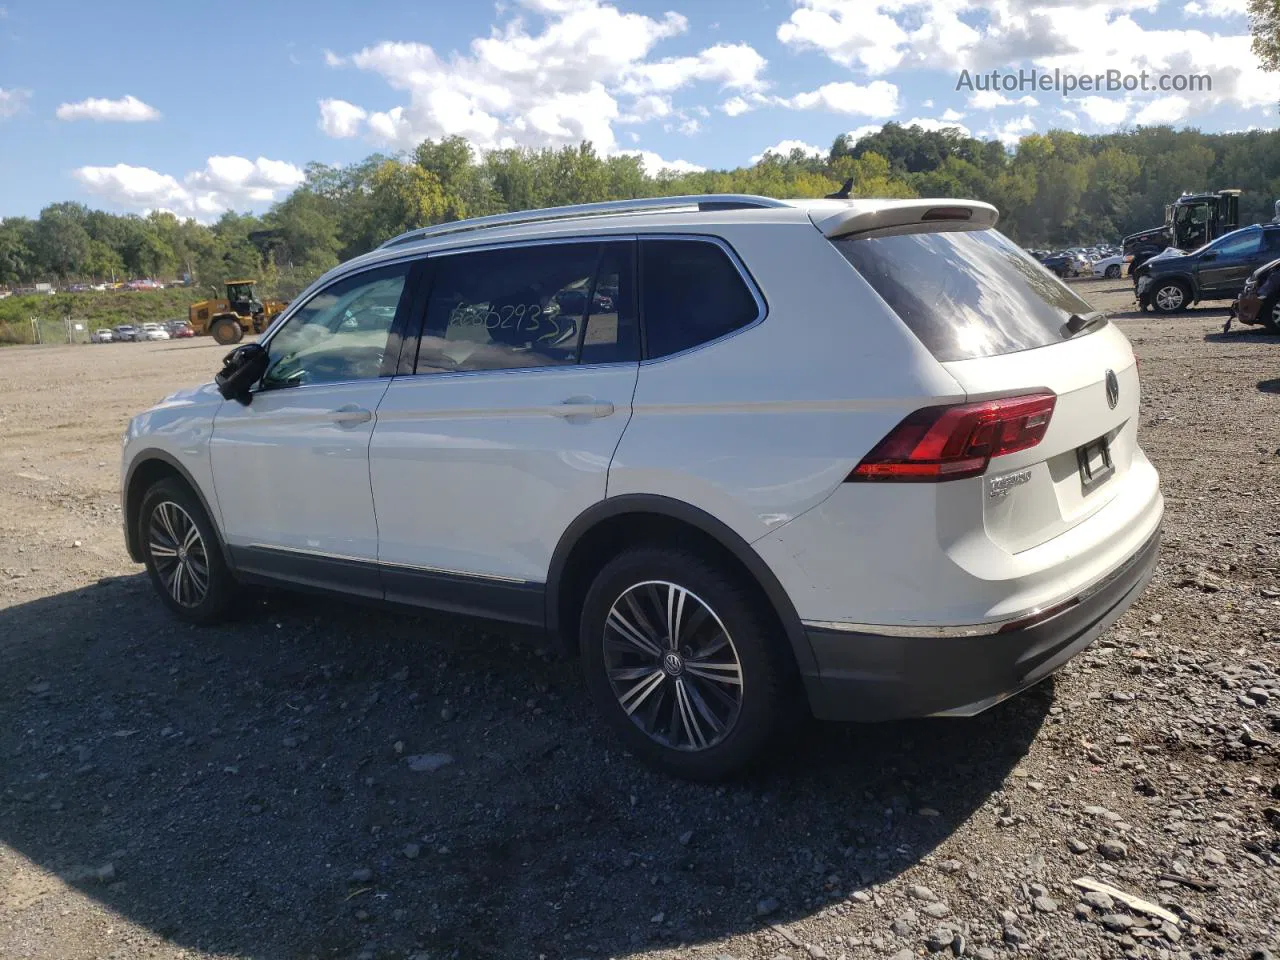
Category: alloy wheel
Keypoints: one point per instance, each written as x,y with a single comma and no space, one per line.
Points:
1170,297
179,554
672,666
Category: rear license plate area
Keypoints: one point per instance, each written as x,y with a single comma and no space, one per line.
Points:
1095,463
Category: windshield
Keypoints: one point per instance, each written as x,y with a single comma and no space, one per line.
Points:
968,294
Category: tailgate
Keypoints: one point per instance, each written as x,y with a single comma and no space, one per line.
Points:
1082,463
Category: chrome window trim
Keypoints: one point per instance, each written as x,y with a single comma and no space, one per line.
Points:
529,242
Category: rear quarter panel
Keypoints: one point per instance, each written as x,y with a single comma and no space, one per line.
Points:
764,424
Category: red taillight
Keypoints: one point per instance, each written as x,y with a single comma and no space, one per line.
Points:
950,443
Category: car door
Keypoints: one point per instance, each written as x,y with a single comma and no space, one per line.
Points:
522,387
1226,264
291,467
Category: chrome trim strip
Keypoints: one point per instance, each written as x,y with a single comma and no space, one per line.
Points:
983,629
325,555
434,252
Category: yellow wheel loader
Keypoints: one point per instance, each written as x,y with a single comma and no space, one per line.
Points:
240,312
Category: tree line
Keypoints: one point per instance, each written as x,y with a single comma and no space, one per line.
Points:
1053,189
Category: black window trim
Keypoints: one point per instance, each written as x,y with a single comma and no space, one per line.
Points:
409,350
762,305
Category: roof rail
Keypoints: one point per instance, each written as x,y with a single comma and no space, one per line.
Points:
706,201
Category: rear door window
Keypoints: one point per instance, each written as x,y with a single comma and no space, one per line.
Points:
530,306
967,294
691,292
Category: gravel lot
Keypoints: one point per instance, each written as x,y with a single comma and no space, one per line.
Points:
252,791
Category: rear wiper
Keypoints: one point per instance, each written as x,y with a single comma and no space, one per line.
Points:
1078,321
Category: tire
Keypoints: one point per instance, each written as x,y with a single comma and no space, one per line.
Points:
1170,296
227,332
696,724
1269,314
1112,272
204,590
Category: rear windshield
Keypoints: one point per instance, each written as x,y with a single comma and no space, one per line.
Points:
967,294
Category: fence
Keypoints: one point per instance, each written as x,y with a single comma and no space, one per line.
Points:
44,330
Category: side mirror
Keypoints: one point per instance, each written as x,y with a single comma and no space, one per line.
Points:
241,369
1205,257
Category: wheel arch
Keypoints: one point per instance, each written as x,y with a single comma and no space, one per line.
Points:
604,529
147,468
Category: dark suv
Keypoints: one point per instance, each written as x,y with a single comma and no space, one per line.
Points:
1173,280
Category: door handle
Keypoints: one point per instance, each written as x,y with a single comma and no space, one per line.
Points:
584,407
351,415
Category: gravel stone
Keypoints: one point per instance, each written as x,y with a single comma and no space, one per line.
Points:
1113,849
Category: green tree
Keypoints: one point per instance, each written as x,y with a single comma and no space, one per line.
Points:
1264,24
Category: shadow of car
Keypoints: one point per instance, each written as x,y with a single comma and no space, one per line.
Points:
251,788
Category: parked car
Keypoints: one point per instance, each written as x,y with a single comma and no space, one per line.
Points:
917,514
179,329
1067,264
1110,267
1259,301
153,331
102,335
1173,280
126,331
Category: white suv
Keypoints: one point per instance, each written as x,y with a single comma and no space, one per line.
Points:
747,457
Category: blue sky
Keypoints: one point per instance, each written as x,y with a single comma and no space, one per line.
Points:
198,108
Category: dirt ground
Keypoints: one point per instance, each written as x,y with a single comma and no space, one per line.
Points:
244,791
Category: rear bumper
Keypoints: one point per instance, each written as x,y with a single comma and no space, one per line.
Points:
864,676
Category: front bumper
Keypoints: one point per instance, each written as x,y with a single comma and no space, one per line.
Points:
864,676
1246,309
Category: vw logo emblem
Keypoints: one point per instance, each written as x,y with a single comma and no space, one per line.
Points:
672,664
1113,389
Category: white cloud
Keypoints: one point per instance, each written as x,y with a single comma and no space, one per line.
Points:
927,103
646,108
127,109
225,183
951,116
876,99
332,59
852,33
1010,132
654,165
1217,8
12,102
990,99
735,106
930,123
783,148
1105,111
341,119
1083,39
1163,110
857,133
586,68
735,66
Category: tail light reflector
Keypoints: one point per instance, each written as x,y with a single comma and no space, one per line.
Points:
952,442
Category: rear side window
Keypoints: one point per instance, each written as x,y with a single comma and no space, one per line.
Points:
690,293
967,294
530,306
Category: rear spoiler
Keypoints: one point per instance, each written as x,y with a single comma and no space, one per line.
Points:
905,216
